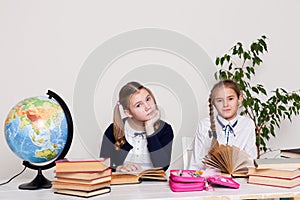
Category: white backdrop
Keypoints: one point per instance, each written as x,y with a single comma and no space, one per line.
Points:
46,44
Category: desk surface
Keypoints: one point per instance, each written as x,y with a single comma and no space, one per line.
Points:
155,190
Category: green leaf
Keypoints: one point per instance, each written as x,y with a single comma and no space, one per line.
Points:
253,47
252,70
246,56
223,75
234,50
222,60
254,89
248,75
262,90
260,48
227,58
280,107
263,43
217,61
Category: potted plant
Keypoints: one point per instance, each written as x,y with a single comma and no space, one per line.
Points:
266,110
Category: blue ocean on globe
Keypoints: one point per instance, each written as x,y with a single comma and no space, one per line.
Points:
36,129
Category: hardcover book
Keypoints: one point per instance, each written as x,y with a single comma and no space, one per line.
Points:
273,181
84,175
290,153
153,174
89,165
277,163
278,173
83,193
78,186
83,181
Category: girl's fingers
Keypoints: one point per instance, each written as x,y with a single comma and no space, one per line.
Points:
138,167
132,167
153,117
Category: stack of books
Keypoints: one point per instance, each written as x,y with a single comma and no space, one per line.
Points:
84,178
279,172
290,153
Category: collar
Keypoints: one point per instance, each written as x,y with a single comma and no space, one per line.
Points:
129,131
226,122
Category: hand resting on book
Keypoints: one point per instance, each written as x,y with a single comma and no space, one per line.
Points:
129,167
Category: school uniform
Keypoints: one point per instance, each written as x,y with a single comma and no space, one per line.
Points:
239,131
147,151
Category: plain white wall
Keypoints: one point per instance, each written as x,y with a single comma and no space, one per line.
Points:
44,45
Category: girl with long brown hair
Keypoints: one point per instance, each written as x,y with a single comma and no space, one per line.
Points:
141,140
227,127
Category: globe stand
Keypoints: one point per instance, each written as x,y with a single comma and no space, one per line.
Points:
39,182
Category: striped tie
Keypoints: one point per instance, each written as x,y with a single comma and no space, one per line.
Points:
228,129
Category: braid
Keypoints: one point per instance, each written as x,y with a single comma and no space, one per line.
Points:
212,118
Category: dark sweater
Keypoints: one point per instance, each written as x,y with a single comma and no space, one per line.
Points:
159,146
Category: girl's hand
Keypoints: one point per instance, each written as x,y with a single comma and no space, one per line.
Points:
129,167
149,124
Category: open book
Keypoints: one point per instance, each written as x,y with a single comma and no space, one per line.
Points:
228,159
154,174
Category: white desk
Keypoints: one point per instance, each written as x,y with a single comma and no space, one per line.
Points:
154,190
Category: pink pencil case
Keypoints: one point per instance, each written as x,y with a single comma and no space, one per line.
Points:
224,181
185,180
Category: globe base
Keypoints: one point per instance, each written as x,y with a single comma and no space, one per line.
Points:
39,182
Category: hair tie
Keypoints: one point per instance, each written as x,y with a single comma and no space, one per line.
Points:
118,103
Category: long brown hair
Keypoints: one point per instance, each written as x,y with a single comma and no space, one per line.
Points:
124,99
227,83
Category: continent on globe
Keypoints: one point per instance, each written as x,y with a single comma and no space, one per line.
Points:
36,129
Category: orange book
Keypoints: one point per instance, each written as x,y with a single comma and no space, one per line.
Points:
78,186
80,193
84,175
277,173
83,181
95,165
274,181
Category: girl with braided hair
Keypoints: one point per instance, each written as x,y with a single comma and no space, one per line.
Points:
227,127
141,140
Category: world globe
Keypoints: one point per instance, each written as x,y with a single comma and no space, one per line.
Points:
39,130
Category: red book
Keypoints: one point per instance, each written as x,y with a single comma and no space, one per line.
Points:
89,165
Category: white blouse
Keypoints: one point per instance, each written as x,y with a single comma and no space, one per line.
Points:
242,136
139,154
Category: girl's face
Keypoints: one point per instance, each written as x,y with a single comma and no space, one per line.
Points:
141,104
226,102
